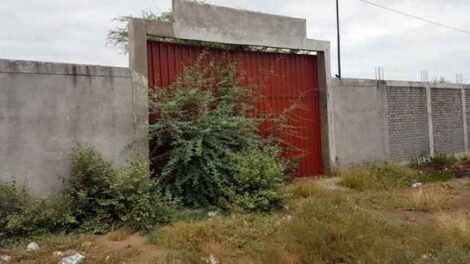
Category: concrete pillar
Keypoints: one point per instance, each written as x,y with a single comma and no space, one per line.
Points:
138,66
326,112
464,117
382,88
430,124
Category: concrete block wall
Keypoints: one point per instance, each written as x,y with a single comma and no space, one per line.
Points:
447,119
46,108
407,122
398,120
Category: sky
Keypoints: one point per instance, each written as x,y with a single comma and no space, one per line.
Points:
74,31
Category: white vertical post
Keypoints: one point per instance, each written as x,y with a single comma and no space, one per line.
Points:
430,124
464,117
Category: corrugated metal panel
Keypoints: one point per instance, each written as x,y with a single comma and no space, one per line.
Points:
282,79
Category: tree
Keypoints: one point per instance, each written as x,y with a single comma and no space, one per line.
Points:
118,37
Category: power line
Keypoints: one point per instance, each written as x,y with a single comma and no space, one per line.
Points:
416,17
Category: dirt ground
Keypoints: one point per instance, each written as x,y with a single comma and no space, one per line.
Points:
457,194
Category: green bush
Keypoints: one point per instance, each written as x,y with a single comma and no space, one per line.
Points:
41,216
103,197
96,198
439,162
439,168
89,189
203,117
256,180
138,200
11,202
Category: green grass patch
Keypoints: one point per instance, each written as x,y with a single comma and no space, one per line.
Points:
389,176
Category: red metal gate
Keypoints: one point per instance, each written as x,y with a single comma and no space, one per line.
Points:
281,78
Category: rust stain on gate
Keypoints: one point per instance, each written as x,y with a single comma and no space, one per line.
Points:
281,78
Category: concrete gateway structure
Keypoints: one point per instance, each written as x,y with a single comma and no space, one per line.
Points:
194,21
46,108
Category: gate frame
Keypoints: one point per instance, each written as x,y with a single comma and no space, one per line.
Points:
189,24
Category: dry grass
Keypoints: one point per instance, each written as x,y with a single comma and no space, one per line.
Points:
321,226
429,199
457,225
305,188
358,178
224,237
120,234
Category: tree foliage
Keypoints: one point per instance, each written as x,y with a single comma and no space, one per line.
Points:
202,120
118,37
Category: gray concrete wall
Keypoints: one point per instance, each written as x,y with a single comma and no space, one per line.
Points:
397,120
46,108
358,121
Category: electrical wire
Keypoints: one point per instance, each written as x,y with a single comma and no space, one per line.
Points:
416,17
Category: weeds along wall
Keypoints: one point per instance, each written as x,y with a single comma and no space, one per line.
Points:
46,108
397,120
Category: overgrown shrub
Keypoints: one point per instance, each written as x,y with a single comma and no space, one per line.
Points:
438,168
439,162
42,216
256,180
203,118
138,200
103,196
12,201
89,189
96,198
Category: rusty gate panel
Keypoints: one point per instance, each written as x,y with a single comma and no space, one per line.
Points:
282,79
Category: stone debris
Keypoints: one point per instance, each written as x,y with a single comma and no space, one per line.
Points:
74,259
212,260
4,259
212,214
33,246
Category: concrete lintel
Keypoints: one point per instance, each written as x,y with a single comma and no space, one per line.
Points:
354,82
199,21
411,84
407,84
159,29
40,67
446,85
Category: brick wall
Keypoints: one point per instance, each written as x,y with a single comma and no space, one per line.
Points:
447,120
407,122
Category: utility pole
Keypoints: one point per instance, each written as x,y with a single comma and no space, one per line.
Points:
339,39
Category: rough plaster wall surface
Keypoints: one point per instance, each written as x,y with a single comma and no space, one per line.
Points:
407,122
359,124
229,25
46,108
447,120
